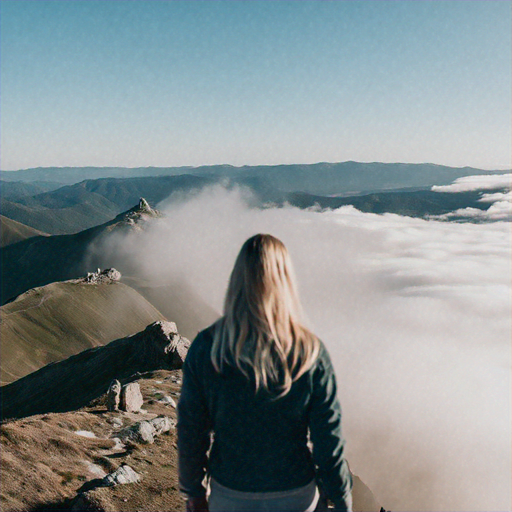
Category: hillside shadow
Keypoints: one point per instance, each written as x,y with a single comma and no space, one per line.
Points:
59,505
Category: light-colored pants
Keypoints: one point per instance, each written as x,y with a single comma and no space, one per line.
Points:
302,499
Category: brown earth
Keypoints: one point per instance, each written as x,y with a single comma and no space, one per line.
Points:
45,463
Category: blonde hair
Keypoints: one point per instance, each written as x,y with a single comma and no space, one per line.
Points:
261,332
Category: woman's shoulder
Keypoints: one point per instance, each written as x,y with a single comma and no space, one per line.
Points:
202,344
323,361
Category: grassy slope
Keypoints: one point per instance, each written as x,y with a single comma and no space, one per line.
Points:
53,322
12,232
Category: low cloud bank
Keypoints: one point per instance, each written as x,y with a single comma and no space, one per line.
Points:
501,202
480,182
415,313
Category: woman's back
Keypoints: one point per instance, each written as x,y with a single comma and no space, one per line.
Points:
261,382
260,441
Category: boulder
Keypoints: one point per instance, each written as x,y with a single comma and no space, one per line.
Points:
145,431
114,396
168,400
122,475
131,398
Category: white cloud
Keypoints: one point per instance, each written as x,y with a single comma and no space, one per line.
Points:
416,315
481,182
501,202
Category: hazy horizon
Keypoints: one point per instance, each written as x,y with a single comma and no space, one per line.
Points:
497,168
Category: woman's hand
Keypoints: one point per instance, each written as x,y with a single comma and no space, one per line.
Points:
197,504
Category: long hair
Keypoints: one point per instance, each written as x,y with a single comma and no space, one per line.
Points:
260,332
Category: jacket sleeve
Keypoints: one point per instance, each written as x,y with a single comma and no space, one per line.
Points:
193,427
326,435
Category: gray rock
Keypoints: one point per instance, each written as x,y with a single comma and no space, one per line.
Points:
108,275
123,475
116,422
146,431
131,397
168,400
162,424
114,396
141,432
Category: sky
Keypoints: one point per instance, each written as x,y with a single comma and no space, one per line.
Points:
169,83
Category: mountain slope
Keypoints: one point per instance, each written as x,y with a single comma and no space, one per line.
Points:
53,322
73,382
74,208
415,203
42,260
178,301
12,232
59,221
49,457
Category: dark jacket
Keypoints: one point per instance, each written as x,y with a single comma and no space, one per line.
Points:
259,442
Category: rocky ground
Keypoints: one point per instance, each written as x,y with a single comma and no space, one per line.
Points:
59,461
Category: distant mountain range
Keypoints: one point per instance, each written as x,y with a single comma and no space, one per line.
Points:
370,187
321,178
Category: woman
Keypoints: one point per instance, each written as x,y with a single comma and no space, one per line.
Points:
258,383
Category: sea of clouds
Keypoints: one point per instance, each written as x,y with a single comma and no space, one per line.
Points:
415,313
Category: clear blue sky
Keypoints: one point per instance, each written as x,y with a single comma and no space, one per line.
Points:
163,83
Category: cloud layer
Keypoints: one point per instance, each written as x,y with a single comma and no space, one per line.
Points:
501,202
415,313
480,182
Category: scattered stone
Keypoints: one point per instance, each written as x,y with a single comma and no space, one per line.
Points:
168,400
114,396
131,397
123,475
162,424
85,433
95,470
146,431
141,432
119,444
116,422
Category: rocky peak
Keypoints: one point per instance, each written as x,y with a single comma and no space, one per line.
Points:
144,205
139,212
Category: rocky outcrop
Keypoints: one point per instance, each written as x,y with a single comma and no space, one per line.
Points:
138,213
109,275
74,382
